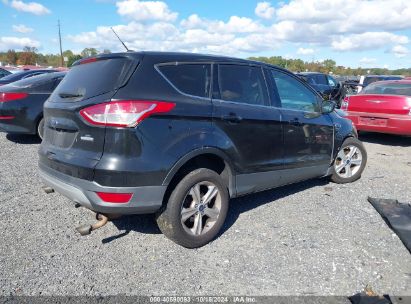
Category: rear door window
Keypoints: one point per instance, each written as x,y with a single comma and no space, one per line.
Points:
243,84
95,78
191,79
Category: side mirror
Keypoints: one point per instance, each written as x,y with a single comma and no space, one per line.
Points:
327,106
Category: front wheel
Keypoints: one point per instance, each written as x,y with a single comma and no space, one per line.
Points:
196,209
350,162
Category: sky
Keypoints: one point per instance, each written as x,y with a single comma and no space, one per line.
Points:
366,33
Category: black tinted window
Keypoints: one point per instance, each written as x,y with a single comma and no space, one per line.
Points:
241,83
192,79
293,94
94,78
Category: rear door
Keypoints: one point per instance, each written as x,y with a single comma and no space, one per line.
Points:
308,134
67,137
242,114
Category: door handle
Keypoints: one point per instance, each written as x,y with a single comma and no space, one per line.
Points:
232,118
295,122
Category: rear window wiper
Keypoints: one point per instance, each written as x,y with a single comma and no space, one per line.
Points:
70,95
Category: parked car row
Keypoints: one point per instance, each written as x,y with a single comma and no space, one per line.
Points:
179,134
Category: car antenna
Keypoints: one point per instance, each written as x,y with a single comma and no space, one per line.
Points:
120,39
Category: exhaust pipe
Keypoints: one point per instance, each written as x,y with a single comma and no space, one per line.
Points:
48,190
86,229
102,220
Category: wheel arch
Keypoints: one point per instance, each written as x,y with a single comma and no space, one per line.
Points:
207,157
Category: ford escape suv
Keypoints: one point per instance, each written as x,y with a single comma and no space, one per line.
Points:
180,134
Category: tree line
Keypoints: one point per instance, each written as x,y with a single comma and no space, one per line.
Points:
31,56
327,66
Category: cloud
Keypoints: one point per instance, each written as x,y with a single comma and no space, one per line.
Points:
31,7
339,25
17,43
234,24
303,51
400,51
21,28
145,10
264,10
367,41
367,61
350,15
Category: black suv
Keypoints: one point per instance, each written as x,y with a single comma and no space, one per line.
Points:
180,134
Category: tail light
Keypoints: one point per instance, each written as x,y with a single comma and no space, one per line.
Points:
117,198
345,103
124,113
9,96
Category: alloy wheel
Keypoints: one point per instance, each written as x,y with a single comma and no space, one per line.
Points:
201,208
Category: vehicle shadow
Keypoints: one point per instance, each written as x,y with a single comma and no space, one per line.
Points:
246,203
146,223
24,139
385,139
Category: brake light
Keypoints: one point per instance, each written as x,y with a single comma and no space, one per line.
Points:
117,198
6,117
124,113
88,60
9,96
345,103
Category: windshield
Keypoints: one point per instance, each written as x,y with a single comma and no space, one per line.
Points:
389,89
35,80
13,76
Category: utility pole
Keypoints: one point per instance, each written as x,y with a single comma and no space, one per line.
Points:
61,49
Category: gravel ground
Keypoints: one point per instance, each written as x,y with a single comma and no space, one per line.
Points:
312,238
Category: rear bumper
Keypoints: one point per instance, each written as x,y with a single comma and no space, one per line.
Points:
147,199
395,124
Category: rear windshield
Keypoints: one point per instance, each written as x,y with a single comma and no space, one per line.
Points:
87,80
388,89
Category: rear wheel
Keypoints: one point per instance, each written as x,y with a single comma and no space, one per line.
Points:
196,209
40,128
350,162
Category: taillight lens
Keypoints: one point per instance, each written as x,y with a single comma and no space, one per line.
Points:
117,198
345,103
8,96
124,113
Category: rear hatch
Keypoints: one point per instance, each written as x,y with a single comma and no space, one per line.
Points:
70,144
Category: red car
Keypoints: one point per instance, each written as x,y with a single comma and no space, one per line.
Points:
383,106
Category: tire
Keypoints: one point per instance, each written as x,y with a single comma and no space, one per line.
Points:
349,162
182,201
40,128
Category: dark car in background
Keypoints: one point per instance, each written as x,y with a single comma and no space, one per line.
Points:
368,79
4,73
21,103
324,84
22,75
180,134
